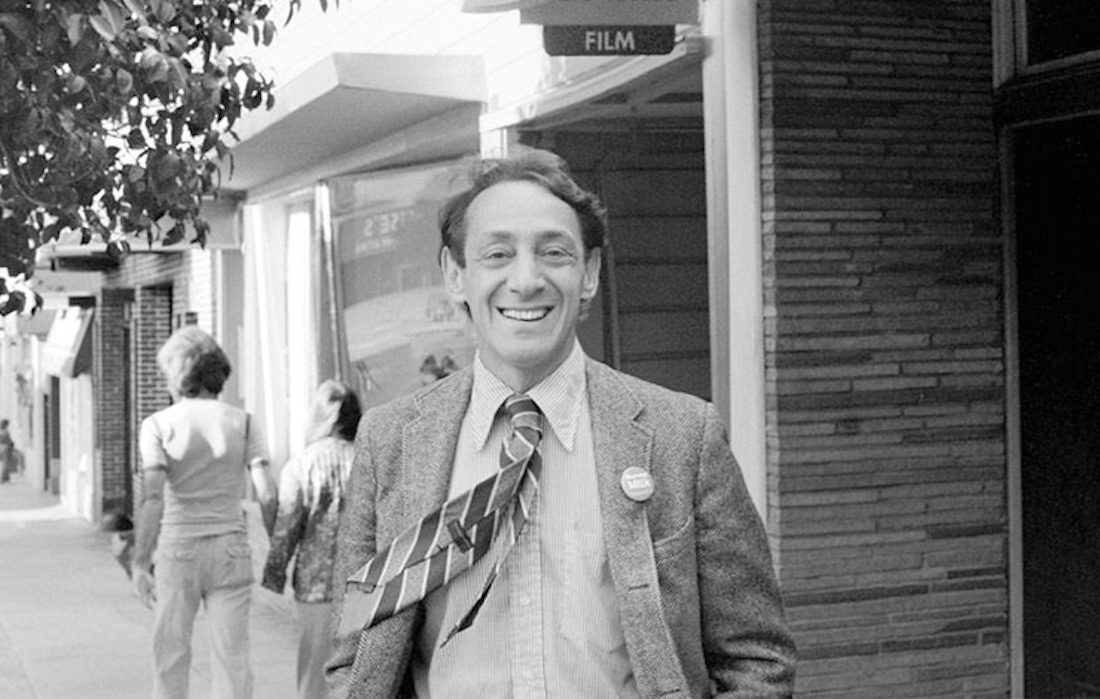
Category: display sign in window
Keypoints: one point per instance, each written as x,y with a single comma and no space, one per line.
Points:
400,327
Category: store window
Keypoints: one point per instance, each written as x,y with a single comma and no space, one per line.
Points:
1059,29
400,328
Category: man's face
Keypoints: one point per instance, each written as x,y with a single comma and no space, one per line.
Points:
524,279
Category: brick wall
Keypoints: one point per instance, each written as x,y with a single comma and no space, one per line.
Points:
152,326
112,405
884,346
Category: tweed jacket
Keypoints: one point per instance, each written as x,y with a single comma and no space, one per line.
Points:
700,606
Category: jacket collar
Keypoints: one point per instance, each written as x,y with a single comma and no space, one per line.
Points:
620,441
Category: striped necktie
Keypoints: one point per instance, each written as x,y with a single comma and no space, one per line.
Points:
448,541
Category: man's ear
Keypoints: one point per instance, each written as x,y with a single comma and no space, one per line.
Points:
591,282
452,276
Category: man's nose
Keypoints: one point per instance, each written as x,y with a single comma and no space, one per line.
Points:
526,275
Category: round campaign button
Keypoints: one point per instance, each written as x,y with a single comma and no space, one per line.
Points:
637,483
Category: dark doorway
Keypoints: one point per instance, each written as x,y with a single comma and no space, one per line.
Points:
52,480
1057,169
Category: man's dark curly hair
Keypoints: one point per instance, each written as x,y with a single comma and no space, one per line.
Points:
539,166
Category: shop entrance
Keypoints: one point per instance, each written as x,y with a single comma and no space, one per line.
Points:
1057,166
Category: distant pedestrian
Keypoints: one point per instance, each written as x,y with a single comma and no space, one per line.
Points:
7,452
194,457
311,491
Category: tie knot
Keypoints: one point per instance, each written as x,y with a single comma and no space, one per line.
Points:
526,419
523,412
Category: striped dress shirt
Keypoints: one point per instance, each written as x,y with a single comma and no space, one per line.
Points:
550,626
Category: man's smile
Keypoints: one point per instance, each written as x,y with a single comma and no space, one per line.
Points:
525,314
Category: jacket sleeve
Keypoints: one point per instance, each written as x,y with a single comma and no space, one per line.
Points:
384,648
748,648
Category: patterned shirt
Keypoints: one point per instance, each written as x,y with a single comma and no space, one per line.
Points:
311,489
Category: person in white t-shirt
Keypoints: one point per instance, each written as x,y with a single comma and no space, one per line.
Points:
194,457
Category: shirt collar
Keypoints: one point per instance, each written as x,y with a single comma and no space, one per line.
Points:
558,397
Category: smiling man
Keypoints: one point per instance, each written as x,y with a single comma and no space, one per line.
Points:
539,524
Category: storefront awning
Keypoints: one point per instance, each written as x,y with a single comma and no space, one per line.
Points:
68,349
500,5
593,12
345,102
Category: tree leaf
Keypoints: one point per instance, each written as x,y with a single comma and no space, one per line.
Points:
221,37
18,26
124,81
103,26
113,13
175,234
137,7
163,10
74,27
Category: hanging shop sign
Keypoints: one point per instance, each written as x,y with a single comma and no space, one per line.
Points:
608,40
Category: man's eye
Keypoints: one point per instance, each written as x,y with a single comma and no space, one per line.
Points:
557,254
494,255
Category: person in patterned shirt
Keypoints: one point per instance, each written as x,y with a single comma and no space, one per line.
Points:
311,488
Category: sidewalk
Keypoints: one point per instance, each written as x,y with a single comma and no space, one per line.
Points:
71,629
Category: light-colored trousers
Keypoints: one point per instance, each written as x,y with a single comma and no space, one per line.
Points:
314,648
216,572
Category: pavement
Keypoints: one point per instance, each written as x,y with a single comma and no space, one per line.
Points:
70,628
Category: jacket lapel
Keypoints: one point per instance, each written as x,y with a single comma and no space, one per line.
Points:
429,447
621,441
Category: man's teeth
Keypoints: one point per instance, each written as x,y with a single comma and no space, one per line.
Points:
524,314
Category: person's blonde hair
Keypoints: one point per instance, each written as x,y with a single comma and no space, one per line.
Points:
335,412
192,362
